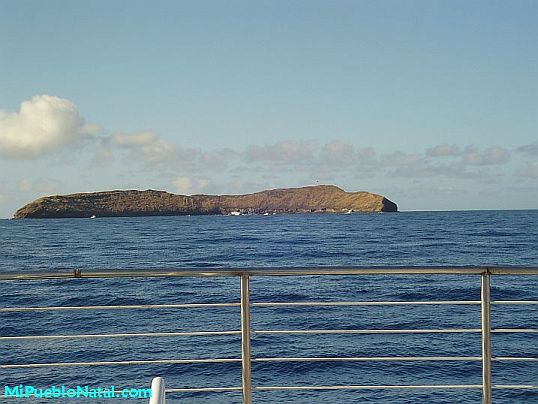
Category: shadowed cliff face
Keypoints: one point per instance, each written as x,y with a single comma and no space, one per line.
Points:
322,198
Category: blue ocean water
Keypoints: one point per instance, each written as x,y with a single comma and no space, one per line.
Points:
406,238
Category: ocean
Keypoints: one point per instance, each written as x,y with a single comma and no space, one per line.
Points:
466,238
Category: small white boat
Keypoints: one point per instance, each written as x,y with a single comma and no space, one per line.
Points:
235,213
93,217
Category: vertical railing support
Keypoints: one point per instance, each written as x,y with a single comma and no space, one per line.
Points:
245,340
486,338
158,395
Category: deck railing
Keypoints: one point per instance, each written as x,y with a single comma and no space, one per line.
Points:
245,330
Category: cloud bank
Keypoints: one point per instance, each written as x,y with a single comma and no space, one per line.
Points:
43,125
46,125
146,146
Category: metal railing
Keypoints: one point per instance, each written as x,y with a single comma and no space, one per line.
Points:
245,330
158,394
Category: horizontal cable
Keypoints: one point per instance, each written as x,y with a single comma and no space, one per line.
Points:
514,359
129,307
390,303
263,304
123,335
260,360
371,387
272,388
119,363
372,359
237,332
364,303
397,387
394,359
415,331
203,389
402,331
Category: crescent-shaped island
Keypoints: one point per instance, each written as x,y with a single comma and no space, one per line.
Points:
311,199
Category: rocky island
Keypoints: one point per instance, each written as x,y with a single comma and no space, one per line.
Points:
321,198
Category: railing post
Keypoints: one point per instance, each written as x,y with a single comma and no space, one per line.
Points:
486,338
158,395
245,340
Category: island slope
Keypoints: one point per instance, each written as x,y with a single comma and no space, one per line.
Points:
321,198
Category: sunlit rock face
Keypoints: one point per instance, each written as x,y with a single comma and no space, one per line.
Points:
313,199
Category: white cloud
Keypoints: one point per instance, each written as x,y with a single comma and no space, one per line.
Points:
190,186
43,125
157,153
337,153
367,156
146,146
443,150
367,163
491,156
103,153
402,159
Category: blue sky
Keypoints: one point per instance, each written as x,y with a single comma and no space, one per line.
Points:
433,104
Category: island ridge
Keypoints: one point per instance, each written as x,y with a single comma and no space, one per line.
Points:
320,198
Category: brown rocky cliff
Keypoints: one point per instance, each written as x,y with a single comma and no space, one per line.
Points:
321,198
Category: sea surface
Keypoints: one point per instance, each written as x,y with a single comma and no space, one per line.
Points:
468,238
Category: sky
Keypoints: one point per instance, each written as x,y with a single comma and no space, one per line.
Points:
433,104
